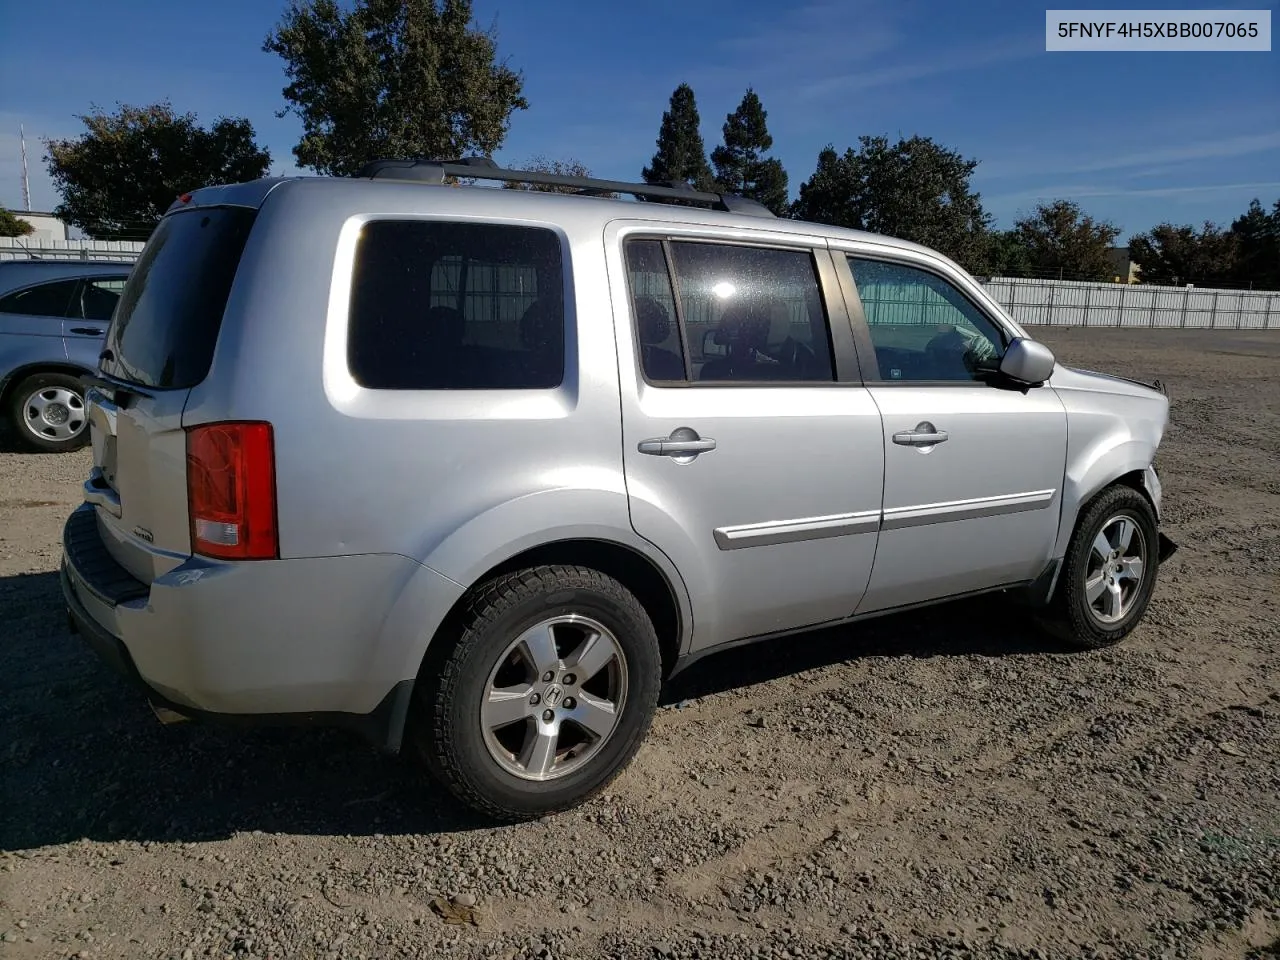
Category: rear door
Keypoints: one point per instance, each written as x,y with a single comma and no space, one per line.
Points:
31,323
88,316
159,345
753,456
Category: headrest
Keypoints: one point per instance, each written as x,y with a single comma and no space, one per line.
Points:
755,323
653,324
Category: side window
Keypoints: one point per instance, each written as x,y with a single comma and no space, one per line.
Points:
98,298
42,300
922,327
751,314
653,305
456,306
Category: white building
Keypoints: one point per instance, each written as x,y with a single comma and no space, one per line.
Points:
47,226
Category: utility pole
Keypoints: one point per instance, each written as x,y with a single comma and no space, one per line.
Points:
26,184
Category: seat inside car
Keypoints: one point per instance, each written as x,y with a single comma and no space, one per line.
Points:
653,327
759,345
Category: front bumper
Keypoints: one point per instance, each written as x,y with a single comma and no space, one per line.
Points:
101,595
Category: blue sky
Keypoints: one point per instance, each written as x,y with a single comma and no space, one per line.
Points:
1135,138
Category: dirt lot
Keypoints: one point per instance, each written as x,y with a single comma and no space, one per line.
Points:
941,784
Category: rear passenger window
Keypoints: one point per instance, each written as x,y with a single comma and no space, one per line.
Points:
456,306
42,300
744,314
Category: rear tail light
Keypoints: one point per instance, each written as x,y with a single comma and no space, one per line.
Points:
231,491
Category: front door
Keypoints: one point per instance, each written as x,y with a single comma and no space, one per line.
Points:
973,470
753,456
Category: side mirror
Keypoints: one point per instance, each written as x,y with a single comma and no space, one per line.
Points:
1027,362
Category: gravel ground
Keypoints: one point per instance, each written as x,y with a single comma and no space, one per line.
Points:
940,784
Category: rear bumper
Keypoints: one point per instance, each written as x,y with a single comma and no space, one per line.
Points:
108,647
333,642
383,727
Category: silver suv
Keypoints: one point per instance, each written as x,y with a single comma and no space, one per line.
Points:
475,470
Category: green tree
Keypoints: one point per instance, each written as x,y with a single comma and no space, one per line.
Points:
1007,255
1181,254
1257,234
832,195
11,226
681,155
392,78
1065,243
118,178
740,166
914,189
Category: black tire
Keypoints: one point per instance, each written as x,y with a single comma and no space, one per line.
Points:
446,729
29,433
1071,615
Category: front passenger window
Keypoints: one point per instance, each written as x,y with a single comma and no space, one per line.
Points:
922,327
98,299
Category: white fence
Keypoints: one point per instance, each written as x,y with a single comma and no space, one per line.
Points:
1032,302
18,248
1074,304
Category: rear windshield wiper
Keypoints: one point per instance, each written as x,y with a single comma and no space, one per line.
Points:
117,391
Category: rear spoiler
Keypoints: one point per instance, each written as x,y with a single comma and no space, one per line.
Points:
250,194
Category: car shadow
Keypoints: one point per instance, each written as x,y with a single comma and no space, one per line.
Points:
81,755
9,440
990,625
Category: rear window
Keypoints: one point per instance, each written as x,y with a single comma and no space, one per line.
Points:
167,321
456,306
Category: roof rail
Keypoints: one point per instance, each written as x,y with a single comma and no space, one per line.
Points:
483,168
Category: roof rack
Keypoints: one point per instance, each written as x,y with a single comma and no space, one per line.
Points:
483,168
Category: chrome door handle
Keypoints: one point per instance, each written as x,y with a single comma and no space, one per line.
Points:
683,442
924,435
676,448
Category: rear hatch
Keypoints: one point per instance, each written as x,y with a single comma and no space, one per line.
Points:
160,344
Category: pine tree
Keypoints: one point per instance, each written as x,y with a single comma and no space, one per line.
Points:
1258,236
740,168
681,155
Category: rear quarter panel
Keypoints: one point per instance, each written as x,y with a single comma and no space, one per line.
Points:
29,344
457,481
